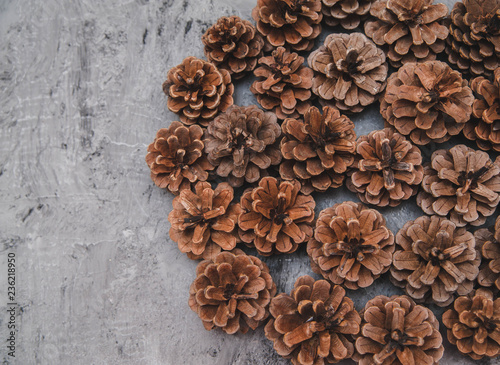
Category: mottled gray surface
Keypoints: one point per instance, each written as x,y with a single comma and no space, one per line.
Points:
98,279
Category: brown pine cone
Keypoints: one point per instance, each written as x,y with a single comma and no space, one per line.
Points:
350,72
396,331
318,150
434,260
488,241
233,44
427,101
351,245
176,157
243,143
205,221
462,184
410,31
232,292
474,324
283,84
197,91
388,169
276,218
314,324
484,126
349,14
474,42
293,24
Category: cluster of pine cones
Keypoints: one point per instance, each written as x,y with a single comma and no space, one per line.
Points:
245,174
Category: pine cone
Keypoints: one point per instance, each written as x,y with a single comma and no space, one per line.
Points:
434,259
176,157
243,143
474,324
283,84
474,41
197,91
233,44
410,31
318,150
488,241
396,331
388,169
232,292
205,221
427,101
276,218
484,126
293,24
314,324
349,14
351,246
350,72
462,184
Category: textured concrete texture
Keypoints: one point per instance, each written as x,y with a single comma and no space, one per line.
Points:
98,280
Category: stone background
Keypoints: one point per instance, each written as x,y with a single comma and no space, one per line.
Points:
98,279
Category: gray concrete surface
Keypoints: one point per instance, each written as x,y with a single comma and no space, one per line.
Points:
98,281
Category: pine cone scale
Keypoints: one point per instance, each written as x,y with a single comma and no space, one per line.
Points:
411,32
436,260
323,338
288,23
283,83
473,37
472,202
203,223
379,175
333,258
442,102
282,216
350,71
472,324
318,150
395,32
233,44
175,157
197,90
241,142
